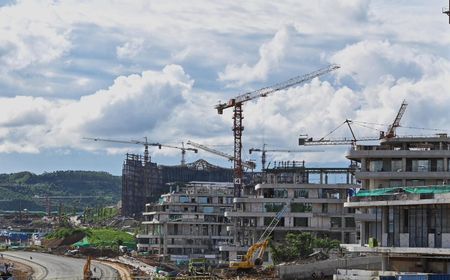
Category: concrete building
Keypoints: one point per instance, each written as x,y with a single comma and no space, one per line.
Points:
315,196
405,202
144,182
188,223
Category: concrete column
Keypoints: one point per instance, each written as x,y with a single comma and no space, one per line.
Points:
363,233
363,164
403,164
384,262
165,239
446,164
384,226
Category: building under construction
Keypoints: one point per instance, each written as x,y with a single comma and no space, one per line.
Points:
141,183
200,170
144,181
315,198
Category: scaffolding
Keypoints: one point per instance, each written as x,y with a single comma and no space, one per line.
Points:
141,184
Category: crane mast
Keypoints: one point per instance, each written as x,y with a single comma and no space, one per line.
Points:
238,128
183,151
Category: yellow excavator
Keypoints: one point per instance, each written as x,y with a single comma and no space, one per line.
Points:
255,253
249,261
87,273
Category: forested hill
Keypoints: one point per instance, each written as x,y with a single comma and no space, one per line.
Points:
19,190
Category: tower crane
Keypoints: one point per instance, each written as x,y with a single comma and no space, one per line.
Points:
246,164
183,150
305,141
147,144
238,128
390,133
263,152
137,142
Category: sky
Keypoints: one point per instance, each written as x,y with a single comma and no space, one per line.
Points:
133,69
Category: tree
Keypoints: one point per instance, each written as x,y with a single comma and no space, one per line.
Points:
295,246
299,246
326,244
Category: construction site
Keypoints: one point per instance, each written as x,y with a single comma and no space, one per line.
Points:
360,207
383,215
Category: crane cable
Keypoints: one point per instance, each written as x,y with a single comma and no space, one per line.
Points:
331,132
410,127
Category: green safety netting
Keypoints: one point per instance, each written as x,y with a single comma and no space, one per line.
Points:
412,190
82,243
85,243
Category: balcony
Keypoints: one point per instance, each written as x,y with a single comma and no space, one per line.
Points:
401,196
358,154
402,175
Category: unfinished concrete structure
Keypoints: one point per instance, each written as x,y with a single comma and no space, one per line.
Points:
315,197
199,170
405,202
144,181
141,183
188,223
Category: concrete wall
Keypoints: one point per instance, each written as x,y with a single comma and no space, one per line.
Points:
404,239
446,240
328,267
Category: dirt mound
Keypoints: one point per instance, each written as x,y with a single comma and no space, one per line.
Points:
67,241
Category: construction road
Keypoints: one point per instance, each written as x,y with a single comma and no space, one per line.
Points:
52,267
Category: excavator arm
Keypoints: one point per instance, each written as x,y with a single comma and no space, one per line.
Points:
87,273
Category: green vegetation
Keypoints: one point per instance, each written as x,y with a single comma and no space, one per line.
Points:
99,214
105,237
299,246
97,237
23,188
66,232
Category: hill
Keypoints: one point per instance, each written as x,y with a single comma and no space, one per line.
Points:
21,189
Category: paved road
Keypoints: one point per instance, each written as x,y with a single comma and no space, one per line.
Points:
54,267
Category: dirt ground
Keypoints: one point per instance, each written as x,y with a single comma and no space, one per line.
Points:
21,271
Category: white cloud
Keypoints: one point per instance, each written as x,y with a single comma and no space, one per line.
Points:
31,33
270,55
133,104
81,68
130,49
